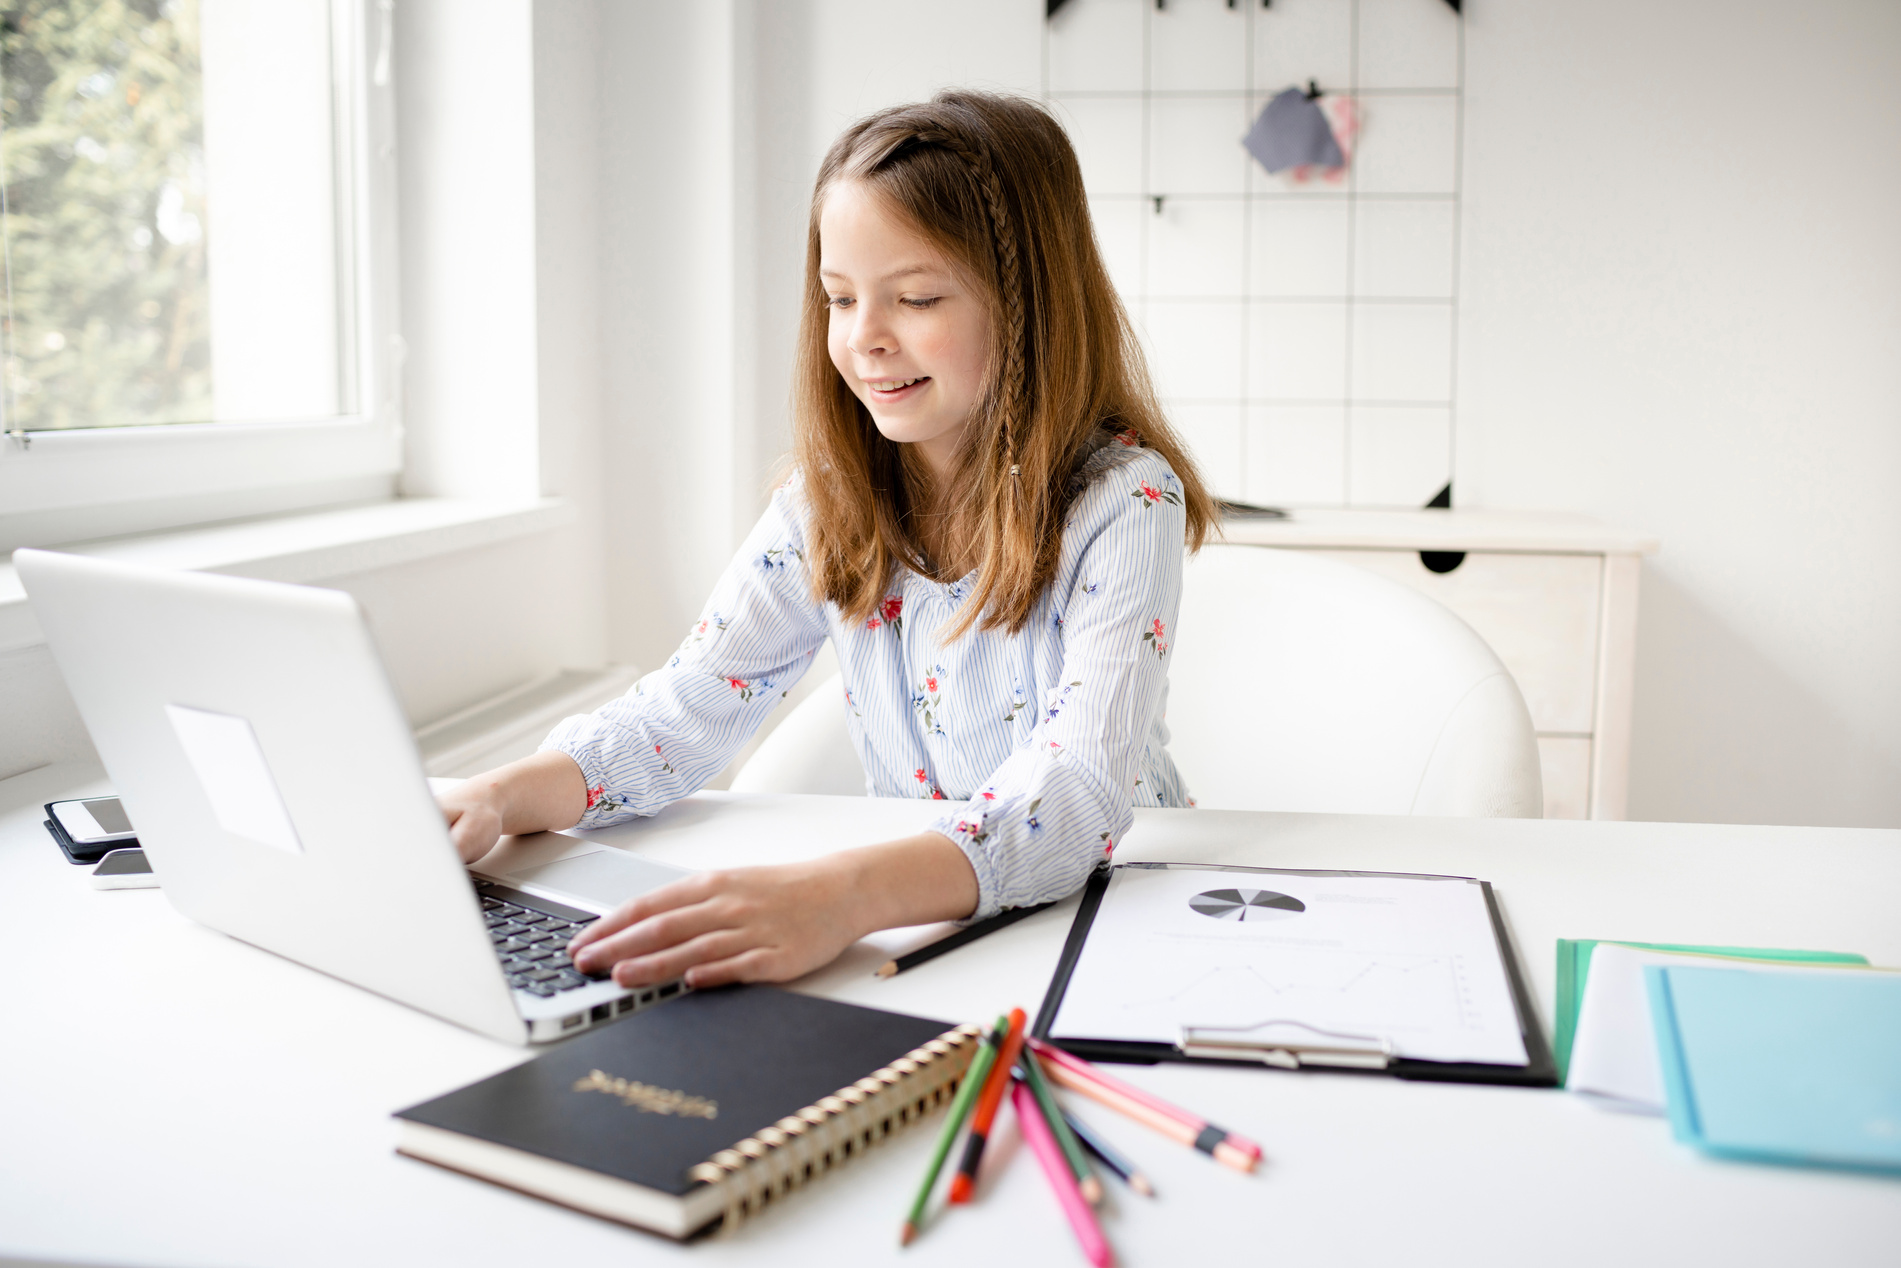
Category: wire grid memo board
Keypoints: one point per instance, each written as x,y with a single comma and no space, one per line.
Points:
1302,336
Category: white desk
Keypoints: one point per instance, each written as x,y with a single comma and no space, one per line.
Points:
235,1106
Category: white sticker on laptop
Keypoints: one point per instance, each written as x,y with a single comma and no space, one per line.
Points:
224,752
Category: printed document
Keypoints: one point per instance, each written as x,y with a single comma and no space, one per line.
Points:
1412,960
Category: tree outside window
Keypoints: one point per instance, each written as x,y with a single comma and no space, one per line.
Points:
107,317
178,234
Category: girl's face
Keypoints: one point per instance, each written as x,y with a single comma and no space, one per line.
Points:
909,333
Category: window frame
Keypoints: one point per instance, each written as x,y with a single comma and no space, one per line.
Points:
71,485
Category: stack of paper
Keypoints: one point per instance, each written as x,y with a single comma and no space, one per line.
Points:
1612,1052
1787,1056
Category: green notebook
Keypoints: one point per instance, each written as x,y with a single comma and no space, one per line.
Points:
1574,967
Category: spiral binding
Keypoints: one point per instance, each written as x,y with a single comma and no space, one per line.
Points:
840,1127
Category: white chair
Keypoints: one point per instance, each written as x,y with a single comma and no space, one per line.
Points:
1302,683
810,751
1295,683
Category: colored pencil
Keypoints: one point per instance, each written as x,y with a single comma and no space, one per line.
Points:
1169,1126
1204,1135
964,1183
1086,1180
966,1096
1036,1132
891,968
1123,1169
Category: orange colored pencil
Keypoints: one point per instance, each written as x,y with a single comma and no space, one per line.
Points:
964,1183
1167,1124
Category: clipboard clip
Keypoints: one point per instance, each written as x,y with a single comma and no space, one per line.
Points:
1288,1045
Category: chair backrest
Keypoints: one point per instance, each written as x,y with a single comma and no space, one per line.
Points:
1302,683
1295,683
810,751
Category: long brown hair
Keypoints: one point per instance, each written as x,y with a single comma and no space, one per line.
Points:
991,181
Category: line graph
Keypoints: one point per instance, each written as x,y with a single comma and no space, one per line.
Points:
1396,992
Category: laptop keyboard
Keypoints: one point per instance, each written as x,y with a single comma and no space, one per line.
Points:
531,937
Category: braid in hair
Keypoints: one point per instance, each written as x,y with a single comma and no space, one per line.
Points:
1010,280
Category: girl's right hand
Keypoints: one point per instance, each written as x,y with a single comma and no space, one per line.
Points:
537,794
475,822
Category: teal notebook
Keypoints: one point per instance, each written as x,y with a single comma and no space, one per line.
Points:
1574,969
1800,1068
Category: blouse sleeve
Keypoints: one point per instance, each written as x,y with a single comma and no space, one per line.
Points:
681,724
1056,807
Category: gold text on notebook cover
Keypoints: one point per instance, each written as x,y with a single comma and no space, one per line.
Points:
647,1098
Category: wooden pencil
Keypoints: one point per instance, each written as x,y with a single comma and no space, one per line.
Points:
959,1110
1208,1137
1167,1124
1108,1156
964,1183
1032,1074
1038,1133
962,937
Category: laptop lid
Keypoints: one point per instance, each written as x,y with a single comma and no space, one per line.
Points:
254,737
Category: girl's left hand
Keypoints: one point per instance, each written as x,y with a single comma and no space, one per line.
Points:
770,924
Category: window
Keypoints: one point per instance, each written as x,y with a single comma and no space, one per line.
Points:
198,266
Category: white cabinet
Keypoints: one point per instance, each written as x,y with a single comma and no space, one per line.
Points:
1554,595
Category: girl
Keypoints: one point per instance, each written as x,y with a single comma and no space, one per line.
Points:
987,517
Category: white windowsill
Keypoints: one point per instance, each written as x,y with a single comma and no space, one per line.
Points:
306,547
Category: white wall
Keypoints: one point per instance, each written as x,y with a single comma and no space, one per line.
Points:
1682,312
465,97
498,102
669,351
568,408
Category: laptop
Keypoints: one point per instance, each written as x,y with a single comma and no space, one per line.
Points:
254,738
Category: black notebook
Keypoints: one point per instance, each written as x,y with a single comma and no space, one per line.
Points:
697,1112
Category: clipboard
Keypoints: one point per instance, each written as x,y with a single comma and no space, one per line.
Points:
1317,1049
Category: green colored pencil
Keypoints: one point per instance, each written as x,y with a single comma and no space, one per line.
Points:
1086,1182
959,1111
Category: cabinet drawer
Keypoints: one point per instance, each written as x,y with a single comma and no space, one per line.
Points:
1565,763
1538,612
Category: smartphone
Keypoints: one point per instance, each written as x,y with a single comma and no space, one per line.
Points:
124,869
87,830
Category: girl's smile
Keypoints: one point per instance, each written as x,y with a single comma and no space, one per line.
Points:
889,391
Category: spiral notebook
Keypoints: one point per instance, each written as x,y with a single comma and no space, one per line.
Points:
699,1112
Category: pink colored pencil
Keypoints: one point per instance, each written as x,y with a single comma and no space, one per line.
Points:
1084,1069
1173,1128
1056,1168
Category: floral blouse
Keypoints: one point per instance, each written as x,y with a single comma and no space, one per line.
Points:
1039,742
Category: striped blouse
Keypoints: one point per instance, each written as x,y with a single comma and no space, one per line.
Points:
1041,741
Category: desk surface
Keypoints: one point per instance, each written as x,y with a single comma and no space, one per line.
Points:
236,1106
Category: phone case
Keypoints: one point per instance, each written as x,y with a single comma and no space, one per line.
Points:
83,855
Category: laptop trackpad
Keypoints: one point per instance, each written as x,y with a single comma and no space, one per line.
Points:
602,880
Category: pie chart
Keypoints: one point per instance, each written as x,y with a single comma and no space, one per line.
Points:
1246,904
